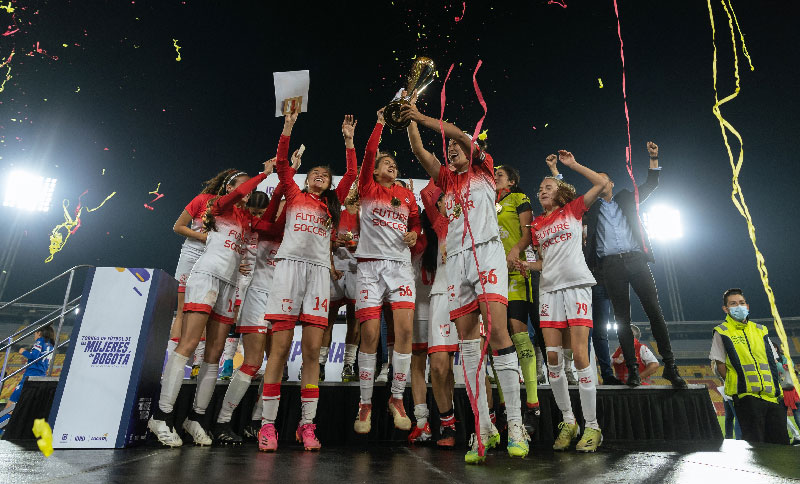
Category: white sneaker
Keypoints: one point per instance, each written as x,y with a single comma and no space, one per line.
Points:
383,376
197,432
164,433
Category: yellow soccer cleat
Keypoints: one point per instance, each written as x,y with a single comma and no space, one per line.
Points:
568,433
590,441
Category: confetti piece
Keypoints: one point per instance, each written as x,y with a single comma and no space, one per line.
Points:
44,434
484,134
534,127
737,196
79,89
155,192
148,207
8,8
58,239
546,125
463,9
177,49
601,82
560,4
104,171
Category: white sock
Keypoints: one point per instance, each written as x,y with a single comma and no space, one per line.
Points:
401,363
588,393
309,397
366,375
558,384
323,354
271,396
228,352
199,352
233,395
507,368
171,345
171,381
470,357
421,413
350,354
206,381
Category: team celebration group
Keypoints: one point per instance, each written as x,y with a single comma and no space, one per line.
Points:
455,275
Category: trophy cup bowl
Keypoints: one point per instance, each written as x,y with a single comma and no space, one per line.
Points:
421,75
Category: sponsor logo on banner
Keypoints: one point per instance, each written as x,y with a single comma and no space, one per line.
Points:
64,437
107,351
80,438
103,437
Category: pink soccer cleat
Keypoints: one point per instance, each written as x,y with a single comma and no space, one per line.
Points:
268,438
306,436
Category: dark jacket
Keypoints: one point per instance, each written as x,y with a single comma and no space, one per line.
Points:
627,203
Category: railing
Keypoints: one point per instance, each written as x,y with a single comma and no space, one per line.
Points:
57,314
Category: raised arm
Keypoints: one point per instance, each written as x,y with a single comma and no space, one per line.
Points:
597,180
427,159
552,164
368,165
267,221
649,186
451,131
231,198
348,131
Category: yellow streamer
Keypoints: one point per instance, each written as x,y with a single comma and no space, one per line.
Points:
58,239
44,434
736,166
177,49
8,8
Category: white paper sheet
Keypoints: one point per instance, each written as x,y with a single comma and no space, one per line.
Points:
288,85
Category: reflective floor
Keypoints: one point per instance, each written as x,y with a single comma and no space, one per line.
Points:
727,463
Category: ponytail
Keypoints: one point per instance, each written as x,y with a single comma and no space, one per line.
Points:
217,183
209,221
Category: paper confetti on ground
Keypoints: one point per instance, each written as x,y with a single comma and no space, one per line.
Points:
177,49
62,231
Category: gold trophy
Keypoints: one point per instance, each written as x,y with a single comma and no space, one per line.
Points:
422,74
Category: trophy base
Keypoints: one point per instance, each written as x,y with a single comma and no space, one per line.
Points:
391,114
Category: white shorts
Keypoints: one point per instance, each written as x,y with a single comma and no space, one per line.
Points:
185,263
301,291
343,291
465,288
381,281
251,314
208,294
566,307
438,333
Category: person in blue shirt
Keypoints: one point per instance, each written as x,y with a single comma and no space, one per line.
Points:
43,344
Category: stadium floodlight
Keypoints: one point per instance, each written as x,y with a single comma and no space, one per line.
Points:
663,223
27,191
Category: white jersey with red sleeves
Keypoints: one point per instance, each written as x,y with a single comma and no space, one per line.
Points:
344,258
559,239
196,208
387,213
476,196
265,264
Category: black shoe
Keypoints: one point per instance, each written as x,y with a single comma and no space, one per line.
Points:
250,431
612,380
633,376
224,434
447,437
348,373
530,419
671,374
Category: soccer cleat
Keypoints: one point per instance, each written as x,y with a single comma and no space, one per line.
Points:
192,426
568,433
349,373
420,434
398,411
224,434
321,372
472,456
530,419
447,437
590,441
268,438
541,379
517,440
571,380
250,431
305,435
493,438
363,423
383,376
195,371
227,370
162,426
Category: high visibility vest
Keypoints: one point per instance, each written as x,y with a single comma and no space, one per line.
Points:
750,363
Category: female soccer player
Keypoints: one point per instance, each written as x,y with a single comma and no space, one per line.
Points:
514,214
389,226
304,262
476,268
565,296
209,305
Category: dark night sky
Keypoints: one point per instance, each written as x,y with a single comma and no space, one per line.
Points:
179,123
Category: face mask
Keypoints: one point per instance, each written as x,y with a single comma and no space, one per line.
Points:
739,313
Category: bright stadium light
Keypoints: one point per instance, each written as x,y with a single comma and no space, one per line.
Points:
663,223
27,191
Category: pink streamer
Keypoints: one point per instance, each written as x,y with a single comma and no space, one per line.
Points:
562,5
463,9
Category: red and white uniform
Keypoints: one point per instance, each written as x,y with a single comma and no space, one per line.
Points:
249,258
471,195
304,255
343,291
643,358
384,260
211,286
565,297
192,249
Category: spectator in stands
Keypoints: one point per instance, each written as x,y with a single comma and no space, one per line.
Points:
645,359
618,247
44,344
790,397
744,356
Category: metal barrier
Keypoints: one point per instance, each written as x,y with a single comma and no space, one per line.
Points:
57,314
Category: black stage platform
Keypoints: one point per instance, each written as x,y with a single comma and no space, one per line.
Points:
670,462
647,413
